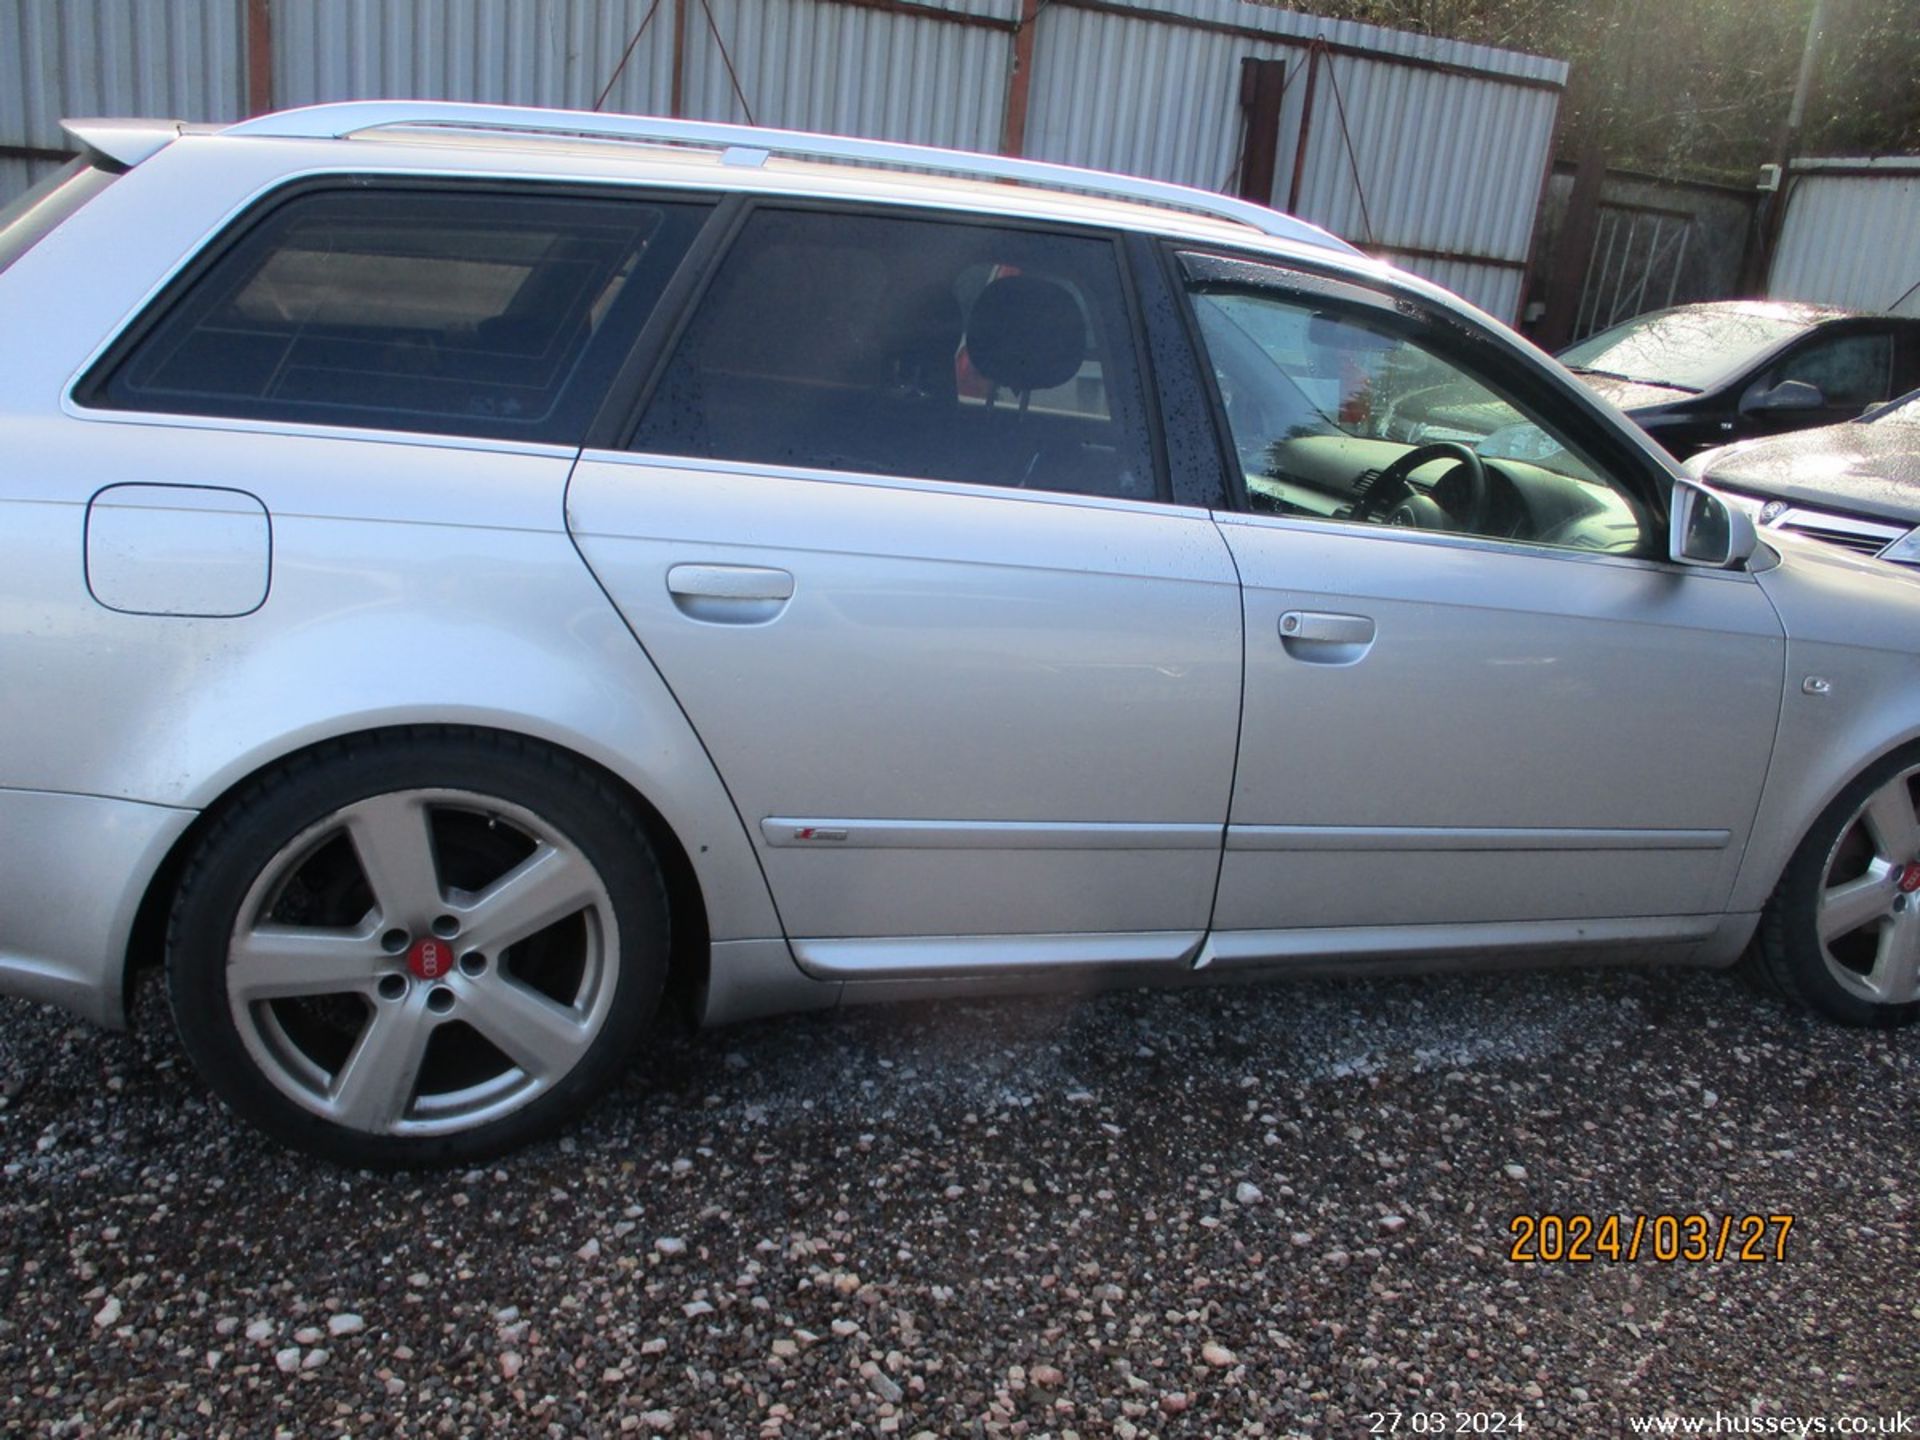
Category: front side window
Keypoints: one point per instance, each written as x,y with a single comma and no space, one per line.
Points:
1352,414
1851,372
446,312
908,347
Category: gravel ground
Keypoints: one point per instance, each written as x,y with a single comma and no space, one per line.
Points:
1239,1212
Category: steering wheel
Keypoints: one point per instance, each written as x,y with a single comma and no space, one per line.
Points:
1423,511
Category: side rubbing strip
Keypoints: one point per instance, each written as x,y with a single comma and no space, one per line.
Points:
785,831
1438,837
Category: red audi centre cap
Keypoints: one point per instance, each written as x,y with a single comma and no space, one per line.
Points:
430,958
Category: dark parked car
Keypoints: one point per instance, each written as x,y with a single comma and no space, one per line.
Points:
1855,484
1701,375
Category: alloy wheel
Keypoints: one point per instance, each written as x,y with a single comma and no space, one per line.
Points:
422,961
1868,910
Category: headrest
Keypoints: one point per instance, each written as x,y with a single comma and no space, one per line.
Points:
1026,333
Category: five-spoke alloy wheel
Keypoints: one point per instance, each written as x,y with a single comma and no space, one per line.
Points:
451,943
1842,932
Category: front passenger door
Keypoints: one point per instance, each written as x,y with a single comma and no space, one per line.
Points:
1481,709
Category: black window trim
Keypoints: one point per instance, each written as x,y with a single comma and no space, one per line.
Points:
1648,483
1198,472
82,391
614,429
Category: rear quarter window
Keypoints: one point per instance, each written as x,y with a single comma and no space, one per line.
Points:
497,314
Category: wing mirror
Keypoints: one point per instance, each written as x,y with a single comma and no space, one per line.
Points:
1783,399
1708,530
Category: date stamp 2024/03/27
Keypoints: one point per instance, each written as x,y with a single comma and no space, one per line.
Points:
1581,1239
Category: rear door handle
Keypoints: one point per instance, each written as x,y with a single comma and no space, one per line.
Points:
730,594
1324,638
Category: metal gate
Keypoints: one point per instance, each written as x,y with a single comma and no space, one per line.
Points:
1638,254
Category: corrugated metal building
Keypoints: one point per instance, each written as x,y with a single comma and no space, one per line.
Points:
1429,151
160,57
1852,234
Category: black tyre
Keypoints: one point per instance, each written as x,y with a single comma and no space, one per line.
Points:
421,948
1841,934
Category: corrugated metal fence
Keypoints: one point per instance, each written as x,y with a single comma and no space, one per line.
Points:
1430,151
1852,235
158,57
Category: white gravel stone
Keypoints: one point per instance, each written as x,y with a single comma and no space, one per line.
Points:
1216,1355
1515,1172
1247,1193
288,1360
670,1245
510,1364
260,1330
306,1335
108,1315
1393,1224
345,1323
315,1359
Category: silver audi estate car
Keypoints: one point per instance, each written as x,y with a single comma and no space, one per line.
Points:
467,573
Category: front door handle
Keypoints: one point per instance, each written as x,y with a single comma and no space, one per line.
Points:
1319,626
1325,638
730,594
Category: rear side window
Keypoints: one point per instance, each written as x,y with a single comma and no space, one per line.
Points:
922,348
499,315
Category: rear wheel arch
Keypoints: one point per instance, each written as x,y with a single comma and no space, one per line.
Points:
688,959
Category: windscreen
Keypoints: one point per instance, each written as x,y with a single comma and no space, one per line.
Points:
1688,349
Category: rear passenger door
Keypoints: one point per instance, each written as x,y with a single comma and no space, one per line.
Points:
889,515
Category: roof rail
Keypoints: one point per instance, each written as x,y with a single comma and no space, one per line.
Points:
751,145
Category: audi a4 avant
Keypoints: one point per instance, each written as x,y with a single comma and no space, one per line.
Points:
468,572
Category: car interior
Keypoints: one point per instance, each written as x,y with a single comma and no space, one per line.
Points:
891,347
1335,417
